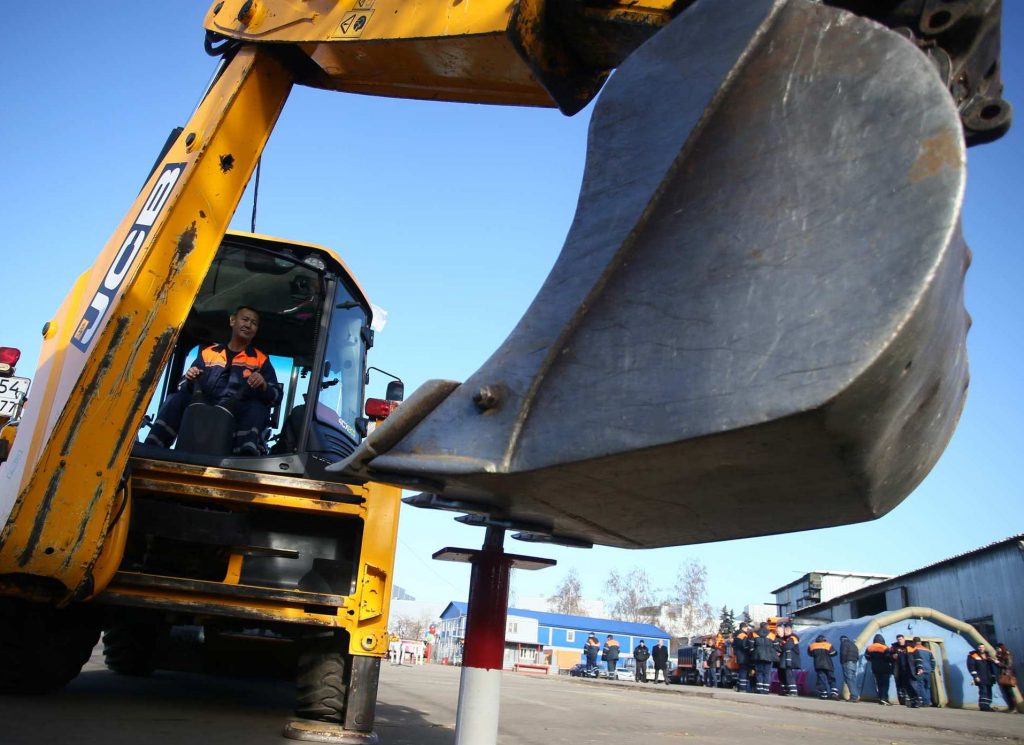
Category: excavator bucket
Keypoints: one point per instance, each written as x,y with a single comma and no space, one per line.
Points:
756,324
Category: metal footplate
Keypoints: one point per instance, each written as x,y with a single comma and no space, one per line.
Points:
310,731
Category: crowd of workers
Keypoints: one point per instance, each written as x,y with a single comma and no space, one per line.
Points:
907,663
748,658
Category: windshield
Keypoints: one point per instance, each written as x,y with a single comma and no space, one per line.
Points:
341,385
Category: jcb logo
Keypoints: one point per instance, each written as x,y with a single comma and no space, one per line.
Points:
125,257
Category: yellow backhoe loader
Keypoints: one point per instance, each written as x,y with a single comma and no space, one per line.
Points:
761,295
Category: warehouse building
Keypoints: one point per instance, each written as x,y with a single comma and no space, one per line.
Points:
980,587
819,586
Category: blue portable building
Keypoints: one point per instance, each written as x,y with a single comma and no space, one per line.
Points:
561,637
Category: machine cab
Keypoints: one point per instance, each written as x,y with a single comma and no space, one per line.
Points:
314,326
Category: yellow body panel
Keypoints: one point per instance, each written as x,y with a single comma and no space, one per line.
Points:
363,614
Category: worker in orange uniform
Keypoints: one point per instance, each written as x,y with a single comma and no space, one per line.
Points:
822,652
765,655
922,665
789,660
982,668
741,646
235,376
879,657
610,654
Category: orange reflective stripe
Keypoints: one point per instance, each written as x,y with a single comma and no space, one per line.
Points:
216,355
212,358
820,645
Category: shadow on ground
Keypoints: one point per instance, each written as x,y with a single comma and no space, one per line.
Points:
101,708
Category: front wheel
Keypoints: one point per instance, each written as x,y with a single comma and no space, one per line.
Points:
130,645
42,648
323,678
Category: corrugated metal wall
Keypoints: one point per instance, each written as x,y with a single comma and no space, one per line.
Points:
987,584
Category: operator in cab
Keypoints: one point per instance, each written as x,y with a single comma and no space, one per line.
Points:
236,376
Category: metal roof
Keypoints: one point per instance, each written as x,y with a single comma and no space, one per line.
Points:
835,573
928,567
582,623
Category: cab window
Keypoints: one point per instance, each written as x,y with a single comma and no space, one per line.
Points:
341,384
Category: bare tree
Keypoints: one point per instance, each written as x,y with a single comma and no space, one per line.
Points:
695,616
631,595
409,628
568,596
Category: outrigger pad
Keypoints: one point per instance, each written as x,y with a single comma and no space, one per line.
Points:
756,324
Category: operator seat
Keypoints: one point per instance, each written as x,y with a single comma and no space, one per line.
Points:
206,429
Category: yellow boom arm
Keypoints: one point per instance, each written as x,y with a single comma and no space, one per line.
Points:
105,349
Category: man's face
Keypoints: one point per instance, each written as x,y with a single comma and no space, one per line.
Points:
244,324
900,640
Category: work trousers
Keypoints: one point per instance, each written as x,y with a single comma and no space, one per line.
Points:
922,687
1008,696
764,676
612,664
850,678
882,685
985,696
641,672
746,674
903,691
826,684
787,682
251,417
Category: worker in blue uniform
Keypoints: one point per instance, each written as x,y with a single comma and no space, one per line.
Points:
236,376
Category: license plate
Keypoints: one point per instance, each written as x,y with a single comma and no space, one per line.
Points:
12,393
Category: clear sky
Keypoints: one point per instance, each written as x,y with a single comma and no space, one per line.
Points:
451,216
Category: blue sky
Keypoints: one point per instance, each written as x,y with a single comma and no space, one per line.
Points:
451,216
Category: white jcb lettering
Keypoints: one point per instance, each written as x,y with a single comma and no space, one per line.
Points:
87,328
124,259
92,319
158,197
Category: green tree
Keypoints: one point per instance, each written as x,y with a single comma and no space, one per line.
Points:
726,622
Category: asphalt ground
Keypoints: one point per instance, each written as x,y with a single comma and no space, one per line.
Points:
416,706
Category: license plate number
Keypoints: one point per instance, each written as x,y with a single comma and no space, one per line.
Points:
12,393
